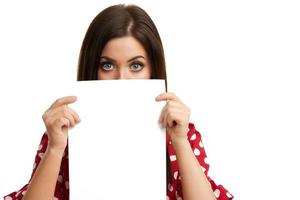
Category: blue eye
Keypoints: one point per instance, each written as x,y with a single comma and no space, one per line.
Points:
136,67
107,66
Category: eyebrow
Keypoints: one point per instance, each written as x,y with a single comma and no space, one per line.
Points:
131,59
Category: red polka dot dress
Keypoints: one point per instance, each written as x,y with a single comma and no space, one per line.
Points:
173,190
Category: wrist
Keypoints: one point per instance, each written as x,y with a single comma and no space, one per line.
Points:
179,142
58,152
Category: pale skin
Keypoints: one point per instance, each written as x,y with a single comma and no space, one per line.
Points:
121,58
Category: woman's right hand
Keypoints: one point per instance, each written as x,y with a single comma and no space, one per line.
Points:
58,118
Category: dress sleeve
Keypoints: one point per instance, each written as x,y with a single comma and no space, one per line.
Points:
18,195
195,140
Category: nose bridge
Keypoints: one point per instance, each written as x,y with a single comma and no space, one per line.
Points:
122,72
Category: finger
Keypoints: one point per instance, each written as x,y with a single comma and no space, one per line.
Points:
164,111
63,101
167,96
66,115
70,117
165,120
171,105
165,117
175,104
173,117
74,114
63,110
53,112
62,122
170,121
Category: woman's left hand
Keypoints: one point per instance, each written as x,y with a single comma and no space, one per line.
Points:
174,116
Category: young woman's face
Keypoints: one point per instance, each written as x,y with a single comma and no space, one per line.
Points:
124,58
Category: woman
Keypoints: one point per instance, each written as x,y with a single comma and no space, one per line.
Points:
122,42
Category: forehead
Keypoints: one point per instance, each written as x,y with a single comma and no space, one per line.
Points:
123,47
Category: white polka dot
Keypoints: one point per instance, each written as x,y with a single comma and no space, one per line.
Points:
179,177
217,193
55,198
173,157
170,187
210,184
196,152
228,195
24,192
177,196
170,142
67,184
18,193
203,169
34,165
193,136
168,198
175,175
206,160
201,144
41,155
8,198
40,147
60,179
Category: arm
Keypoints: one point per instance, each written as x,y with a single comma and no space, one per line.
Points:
175,117
43,182
58,118
194,182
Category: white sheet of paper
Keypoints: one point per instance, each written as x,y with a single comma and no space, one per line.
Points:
118,150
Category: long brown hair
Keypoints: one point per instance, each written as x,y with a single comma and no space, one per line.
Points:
119,21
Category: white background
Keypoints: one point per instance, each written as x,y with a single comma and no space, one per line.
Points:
234,63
